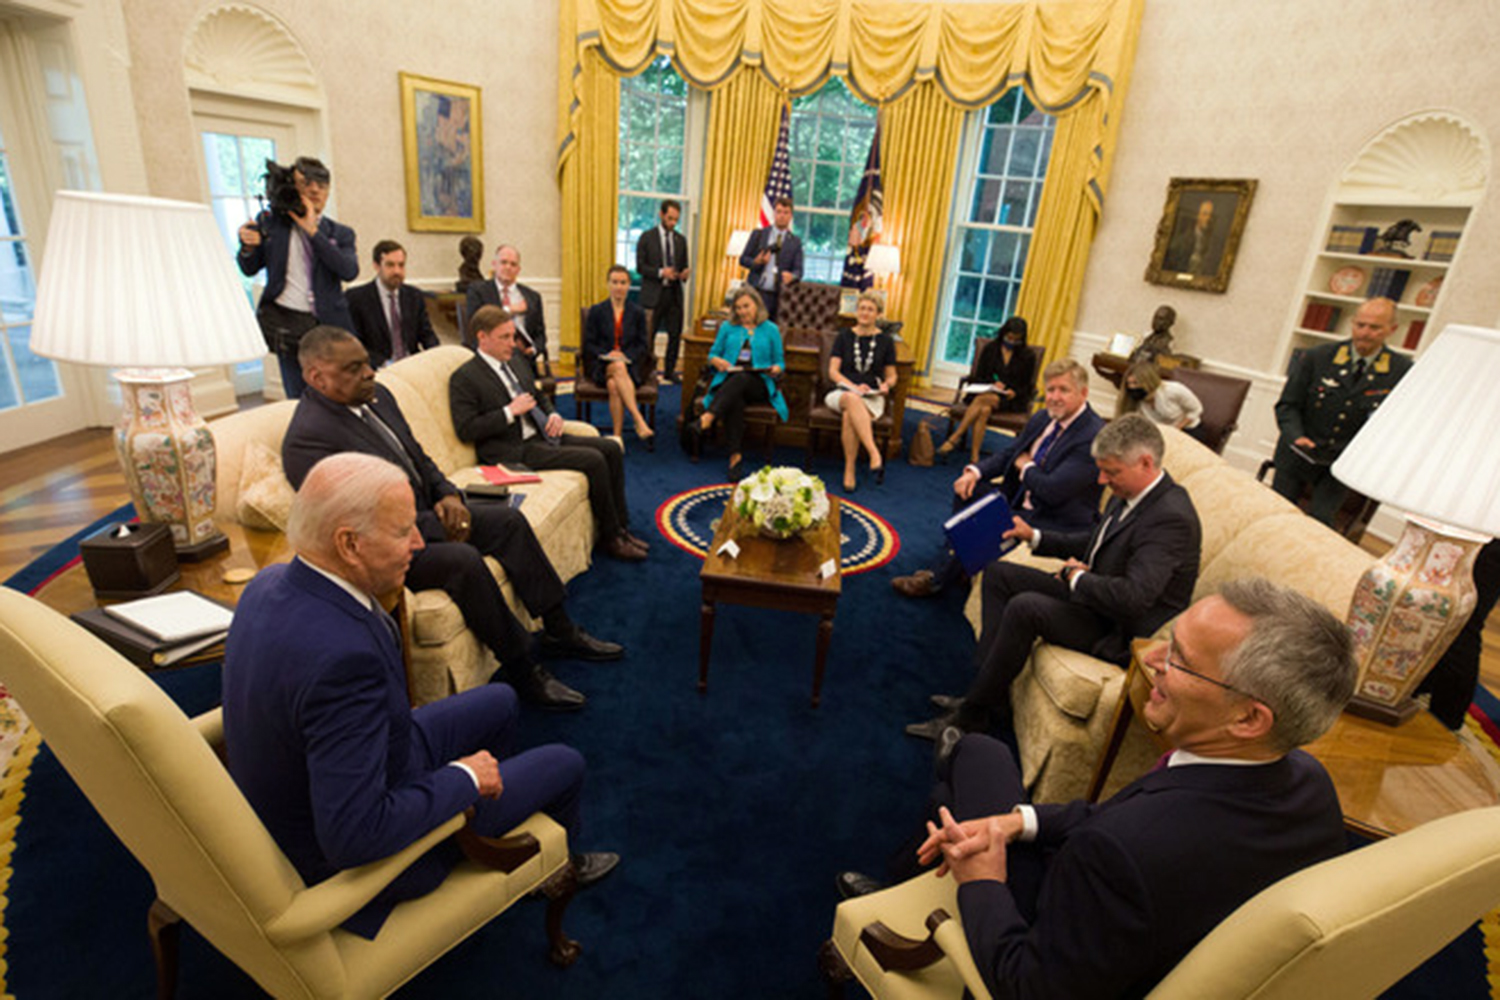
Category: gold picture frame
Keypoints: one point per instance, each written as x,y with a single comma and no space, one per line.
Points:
441,144
1199,233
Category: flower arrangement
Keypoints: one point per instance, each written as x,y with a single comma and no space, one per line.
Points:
781,501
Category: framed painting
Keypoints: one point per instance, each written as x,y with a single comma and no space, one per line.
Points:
1199,233
441,142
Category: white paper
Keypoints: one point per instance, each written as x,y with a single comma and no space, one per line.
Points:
828,569
174,617
729,549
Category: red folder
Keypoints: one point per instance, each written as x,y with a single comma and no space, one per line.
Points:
509,475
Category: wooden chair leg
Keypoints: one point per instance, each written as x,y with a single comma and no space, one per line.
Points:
164,927
835,970
559,889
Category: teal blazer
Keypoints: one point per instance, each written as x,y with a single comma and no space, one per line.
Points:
765,351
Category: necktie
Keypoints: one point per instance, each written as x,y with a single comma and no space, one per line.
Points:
505,297
398,342
666,239
535,414
392,442
1099,539
389,623
1359,370
1046,443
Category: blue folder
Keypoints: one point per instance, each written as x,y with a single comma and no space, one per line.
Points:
974,532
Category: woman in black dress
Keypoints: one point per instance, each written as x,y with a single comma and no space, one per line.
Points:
862,368
617,352
1007,370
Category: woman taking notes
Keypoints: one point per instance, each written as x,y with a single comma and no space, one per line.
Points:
747,359
862,368
617,353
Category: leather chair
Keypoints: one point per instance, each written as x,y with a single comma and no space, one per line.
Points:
1349,927
822,419
587,392
154,776
1011,423
1222,397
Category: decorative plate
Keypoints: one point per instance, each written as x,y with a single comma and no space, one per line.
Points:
1428,293
1347,280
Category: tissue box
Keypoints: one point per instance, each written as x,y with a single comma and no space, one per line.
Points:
140,563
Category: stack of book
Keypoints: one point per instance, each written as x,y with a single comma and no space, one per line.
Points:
1321,317
1388,283
1414,334
172,629
1442,244
1351,239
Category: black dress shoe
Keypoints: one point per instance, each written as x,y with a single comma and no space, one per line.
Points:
579,645
592,866
880,476
636,540
737,471
948,702
621,548
932,728
537,686
852,884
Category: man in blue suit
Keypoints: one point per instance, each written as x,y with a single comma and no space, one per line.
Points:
1103,900
773,256
1047,474
305,256
320,736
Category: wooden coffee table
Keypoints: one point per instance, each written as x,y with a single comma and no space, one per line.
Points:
1389,778
784,575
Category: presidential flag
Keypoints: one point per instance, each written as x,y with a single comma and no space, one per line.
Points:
865,219
779,184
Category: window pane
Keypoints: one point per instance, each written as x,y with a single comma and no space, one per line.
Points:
221,155
38,376
993,303
825,192
802,174
668,169
966,301
986,201
653,136
1023,152
976,250
24,377
17,289
959,342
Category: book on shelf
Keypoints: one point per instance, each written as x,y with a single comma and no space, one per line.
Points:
1442,245
1351,239
1388,283
1321,317
1414,333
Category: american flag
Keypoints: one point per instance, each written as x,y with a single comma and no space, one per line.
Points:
865,220
779,184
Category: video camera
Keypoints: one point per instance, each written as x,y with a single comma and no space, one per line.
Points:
282,195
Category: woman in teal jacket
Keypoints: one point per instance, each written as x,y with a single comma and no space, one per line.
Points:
747,359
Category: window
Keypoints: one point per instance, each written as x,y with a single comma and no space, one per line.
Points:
236,167
830,140
1006,162
653,147
24,377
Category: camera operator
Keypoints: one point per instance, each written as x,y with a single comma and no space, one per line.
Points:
305,254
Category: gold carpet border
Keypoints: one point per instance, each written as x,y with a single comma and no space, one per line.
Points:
12,791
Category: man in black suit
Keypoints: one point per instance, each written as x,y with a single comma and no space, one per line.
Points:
1100,901
390,317
523,302
661,259
347,410
1126,578
495,405
773,256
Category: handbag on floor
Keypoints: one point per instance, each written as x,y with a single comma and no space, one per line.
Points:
921,452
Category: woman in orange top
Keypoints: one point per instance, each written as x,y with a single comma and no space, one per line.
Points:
617,352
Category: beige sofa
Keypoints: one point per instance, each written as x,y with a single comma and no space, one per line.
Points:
1064,702
445,655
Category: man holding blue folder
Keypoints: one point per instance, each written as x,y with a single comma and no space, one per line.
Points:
1047,474
1126,578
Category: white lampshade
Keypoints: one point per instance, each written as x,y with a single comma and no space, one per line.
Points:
883,260
129,281
737,241
1430,449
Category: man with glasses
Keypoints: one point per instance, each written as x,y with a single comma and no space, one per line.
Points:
1125,578
1103,900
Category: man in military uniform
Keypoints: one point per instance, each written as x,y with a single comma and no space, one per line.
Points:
1331,391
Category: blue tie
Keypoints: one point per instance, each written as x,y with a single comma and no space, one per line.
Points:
1048,440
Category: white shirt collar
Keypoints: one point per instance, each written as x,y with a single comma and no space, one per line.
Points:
359,595
1181,757
1131,503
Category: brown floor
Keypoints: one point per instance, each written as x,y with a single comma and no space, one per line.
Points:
62,485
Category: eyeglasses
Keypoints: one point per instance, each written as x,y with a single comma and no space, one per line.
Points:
1172,661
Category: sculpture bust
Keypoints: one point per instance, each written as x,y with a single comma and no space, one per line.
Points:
1159,340
470,248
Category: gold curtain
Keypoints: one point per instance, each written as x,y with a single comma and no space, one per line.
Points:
1072,56
742,122
590,195
920,138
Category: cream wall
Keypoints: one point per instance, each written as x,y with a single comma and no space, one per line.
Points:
356,48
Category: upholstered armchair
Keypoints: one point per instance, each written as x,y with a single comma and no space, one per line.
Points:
1349,927
154,776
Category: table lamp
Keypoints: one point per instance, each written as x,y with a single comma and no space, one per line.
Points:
737,243
1429,451
883,260
145,285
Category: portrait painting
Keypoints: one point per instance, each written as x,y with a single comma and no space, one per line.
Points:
440,124
1199,233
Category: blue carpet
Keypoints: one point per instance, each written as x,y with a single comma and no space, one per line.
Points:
733,809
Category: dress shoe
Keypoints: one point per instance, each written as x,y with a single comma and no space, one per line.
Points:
591,866
537,686
619,548
673,377
579,645
737,471
637,541
851,487
880,475
948,702
852,884
919,584
932,728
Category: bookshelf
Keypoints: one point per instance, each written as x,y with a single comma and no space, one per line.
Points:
1429,169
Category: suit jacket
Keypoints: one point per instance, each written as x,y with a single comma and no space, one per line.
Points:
1064,485
320,737
320,427
599,338
531,326
1144,569
367,308
1137,881
789,259
651,257
1320,400
334,261
765,352
477,397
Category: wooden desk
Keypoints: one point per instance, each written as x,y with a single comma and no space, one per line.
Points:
1389,779
782,575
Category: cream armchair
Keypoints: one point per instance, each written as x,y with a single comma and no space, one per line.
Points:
154,777
1349,927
